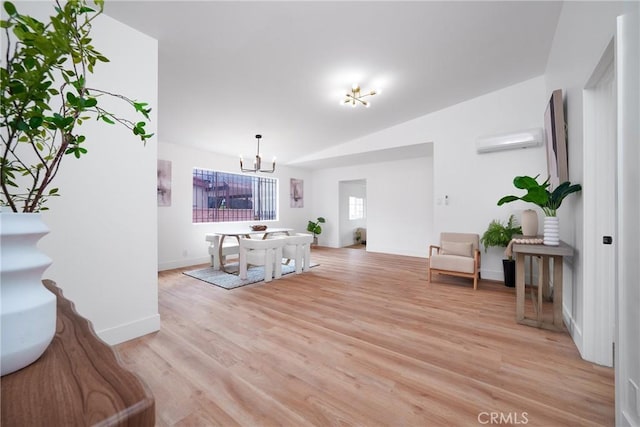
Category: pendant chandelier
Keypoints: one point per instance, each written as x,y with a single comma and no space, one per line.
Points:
356,96
257,163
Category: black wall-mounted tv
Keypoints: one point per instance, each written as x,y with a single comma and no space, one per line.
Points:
556,140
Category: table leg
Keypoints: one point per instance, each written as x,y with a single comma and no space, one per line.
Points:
546,289
222,258
519,287
557,292
542,267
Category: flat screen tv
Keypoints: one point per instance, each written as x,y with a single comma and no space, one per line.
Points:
556,140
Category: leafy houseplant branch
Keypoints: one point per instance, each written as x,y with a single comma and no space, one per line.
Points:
314,227
40,123
539,194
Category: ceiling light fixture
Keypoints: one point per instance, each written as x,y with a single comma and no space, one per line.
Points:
257,163
356,96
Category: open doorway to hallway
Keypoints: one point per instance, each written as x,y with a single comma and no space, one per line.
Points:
353,213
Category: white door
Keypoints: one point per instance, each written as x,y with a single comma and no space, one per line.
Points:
600,211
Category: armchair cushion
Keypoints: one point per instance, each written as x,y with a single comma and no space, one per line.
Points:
462,264
464,249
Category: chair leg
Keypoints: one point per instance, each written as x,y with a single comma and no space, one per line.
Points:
243,264
475,282
298,259
268,265
307,257
278,263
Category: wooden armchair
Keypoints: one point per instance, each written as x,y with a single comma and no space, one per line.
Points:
457,255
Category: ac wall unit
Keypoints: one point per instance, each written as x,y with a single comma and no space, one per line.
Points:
510,141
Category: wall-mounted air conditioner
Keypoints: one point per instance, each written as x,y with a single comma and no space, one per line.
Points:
510,141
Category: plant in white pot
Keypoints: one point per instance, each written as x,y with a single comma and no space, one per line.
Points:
549,201
45,100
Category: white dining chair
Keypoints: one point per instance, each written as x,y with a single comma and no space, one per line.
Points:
298,248
266,252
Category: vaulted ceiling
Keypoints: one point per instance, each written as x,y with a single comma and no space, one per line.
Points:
230,70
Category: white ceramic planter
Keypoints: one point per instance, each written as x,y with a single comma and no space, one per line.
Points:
551,231
27,308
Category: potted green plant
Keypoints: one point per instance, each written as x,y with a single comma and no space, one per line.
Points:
45,100
549,201
315,228
499,234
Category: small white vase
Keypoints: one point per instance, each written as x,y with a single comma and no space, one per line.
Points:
27,308
529,223
551,231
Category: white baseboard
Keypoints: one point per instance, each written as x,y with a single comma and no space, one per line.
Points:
574,330
183,263
129,331
395,251
497,275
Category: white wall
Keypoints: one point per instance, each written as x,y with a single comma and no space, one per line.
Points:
399,211
181,242
103,227
473,182
348,226
584,31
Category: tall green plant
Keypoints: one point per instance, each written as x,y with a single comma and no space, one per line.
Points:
540,195
45,99
314,226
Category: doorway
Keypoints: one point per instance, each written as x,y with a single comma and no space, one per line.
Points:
353,213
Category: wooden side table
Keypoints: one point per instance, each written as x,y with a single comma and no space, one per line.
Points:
78,381
545,253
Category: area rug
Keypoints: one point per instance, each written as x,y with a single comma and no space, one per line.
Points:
231,281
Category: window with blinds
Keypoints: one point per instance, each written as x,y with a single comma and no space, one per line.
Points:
226,197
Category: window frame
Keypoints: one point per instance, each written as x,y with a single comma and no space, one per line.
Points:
235,188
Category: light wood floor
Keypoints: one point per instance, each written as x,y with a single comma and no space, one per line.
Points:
363,339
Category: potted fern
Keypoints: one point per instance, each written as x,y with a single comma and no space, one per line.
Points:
499,234
45,100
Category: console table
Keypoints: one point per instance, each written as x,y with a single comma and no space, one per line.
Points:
78,381
545,253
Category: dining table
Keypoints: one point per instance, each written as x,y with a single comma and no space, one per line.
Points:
217,240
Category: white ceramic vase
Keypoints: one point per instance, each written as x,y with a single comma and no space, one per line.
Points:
551,231
27,308
529,223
